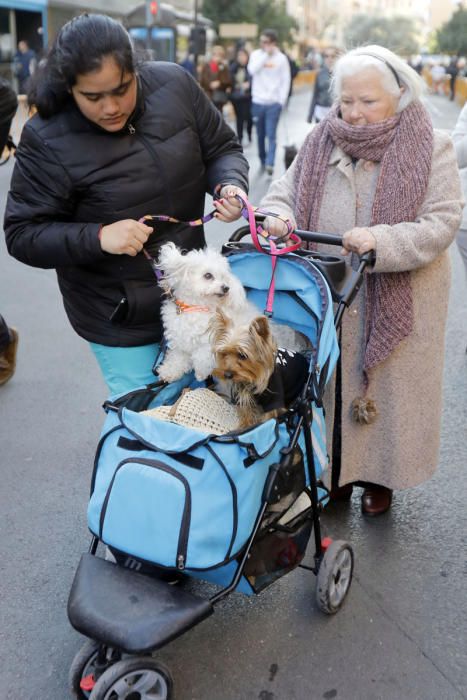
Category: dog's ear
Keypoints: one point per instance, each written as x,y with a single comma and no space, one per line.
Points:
237,296
260,326
218,326
170,257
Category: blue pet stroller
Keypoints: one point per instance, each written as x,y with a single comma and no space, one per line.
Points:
236,510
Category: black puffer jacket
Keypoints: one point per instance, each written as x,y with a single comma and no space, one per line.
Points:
71,177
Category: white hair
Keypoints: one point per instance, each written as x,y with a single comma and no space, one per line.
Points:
388,64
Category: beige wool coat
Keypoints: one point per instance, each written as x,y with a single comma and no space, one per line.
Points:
400,449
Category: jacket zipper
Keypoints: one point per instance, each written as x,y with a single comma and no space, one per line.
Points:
186,517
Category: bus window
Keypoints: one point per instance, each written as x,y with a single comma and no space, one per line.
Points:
162,45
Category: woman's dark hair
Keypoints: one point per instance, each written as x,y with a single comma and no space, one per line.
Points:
79,48
242,49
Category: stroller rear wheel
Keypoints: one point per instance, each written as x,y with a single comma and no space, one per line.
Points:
334,576
134,678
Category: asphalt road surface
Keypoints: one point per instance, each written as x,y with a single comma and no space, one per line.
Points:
402,633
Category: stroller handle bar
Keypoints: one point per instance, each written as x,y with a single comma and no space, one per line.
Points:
346,289
333,239
316,237
311,237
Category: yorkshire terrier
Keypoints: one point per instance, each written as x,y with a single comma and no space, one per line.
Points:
262,379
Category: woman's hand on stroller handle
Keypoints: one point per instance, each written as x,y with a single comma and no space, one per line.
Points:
278,228
358,240
367,257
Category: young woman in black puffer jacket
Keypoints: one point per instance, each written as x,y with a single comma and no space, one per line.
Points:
112,142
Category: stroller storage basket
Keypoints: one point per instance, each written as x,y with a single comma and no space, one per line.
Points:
281,546
191,498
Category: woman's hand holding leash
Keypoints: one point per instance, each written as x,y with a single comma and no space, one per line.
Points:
228,207
234,204
125,237
279,229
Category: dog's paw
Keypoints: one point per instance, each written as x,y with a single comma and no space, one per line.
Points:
168,374
201,374
204,365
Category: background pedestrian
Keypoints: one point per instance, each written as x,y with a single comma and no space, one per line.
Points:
24,65
321,100
189,65
8,107
270,72
452,70
438,75
8,336
8,348
241,94
215,78
459,137
294,71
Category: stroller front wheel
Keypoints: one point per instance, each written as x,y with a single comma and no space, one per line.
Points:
334,576
83,668
137,677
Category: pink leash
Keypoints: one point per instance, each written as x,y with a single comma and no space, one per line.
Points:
248,212
269,247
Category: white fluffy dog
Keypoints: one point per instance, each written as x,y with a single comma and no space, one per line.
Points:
196,284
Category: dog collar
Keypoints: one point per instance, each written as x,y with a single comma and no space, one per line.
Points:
182,307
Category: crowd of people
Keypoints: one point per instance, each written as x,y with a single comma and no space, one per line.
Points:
371,134
443,74
257,84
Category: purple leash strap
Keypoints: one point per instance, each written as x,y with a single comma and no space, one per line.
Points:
248,212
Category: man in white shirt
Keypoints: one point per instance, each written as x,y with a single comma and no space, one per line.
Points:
270,71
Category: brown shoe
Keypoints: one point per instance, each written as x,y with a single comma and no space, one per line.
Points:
341,493
8,358
376,500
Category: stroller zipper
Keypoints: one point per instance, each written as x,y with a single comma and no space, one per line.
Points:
186,517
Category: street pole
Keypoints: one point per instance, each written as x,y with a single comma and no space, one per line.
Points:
195,57
148,26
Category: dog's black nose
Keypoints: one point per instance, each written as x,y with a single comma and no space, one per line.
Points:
225,289
228,374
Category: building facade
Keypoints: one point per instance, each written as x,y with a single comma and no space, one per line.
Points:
322,22
21,20
38,21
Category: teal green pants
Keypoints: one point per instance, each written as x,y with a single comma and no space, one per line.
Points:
125,369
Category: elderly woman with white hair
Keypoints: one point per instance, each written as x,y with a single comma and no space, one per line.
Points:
375,171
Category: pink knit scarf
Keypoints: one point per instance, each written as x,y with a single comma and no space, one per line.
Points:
404,146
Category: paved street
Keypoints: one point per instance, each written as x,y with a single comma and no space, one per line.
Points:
402,634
